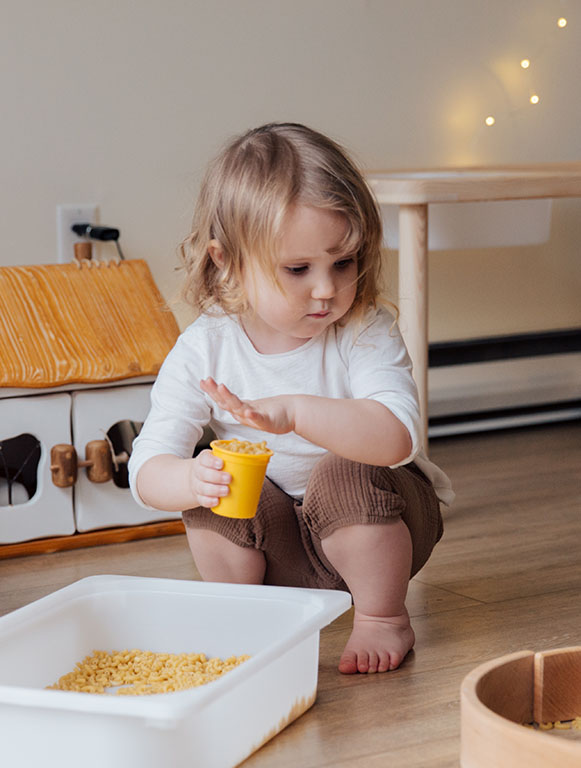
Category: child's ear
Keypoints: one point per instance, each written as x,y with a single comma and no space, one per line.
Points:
216,253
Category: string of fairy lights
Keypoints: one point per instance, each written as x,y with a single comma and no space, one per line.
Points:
534,97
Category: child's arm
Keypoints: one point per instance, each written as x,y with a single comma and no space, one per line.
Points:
361,430
358,429
162,472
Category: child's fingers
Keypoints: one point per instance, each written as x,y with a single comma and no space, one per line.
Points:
209,467
221,395
207,501
244,412
209,495
208,383
228,400
210,484
215,478
208,459
210,387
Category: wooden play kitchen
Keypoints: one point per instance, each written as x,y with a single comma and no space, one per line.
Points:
80,344
502,696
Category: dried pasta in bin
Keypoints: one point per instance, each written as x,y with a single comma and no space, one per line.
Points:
138,673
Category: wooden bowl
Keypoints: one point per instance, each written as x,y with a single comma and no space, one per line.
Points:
498,697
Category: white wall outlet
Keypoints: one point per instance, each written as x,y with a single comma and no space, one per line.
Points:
66,216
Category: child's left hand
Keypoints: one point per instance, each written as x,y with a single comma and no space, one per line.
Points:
269,414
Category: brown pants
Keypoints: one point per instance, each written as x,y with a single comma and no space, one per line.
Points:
339,493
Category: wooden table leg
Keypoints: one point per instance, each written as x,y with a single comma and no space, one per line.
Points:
413,296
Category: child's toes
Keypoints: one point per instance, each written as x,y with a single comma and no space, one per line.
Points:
384,662
395,659
348,663
363,662
373,662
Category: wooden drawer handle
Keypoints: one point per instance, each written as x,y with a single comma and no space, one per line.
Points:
98,461
64,463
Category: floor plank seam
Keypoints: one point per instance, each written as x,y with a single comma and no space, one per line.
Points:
450,592
573,590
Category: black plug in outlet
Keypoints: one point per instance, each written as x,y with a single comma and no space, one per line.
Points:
99,233
96,233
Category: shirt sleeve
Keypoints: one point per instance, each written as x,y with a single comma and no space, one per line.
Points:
380,369
179,410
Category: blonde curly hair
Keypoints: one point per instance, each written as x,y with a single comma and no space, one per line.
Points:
244,197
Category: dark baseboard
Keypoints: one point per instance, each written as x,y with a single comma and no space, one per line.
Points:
506,414
504,347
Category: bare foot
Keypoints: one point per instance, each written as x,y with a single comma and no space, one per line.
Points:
377,643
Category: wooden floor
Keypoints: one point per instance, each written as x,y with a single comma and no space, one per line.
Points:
505,577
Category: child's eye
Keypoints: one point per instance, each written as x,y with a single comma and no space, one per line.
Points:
296,270
343,263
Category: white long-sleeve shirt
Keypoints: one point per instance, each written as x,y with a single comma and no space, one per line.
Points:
366,360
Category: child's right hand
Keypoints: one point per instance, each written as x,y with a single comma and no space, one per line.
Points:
207,481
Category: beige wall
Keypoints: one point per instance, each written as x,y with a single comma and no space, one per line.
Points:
121,103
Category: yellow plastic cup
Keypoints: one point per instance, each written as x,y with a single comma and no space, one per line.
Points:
248,471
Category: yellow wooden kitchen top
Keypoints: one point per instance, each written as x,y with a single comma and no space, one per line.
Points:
82,322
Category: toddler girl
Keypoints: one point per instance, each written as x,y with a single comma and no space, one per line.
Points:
292,345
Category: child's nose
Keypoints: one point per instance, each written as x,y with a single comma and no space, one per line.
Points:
323,288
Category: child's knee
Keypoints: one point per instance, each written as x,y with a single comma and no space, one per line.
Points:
343,492
334,472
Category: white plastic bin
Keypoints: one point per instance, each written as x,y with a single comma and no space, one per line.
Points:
214,726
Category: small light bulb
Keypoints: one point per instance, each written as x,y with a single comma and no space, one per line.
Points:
525,63
534,99
490,120
562,22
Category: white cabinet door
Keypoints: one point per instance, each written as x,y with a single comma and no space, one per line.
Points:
31,506
97,414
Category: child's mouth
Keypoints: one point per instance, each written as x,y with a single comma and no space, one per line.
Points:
320,314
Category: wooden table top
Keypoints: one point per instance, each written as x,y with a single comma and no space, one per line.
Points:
473,184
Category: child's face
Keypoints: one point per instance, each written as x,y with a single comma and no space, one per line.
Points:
319,287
